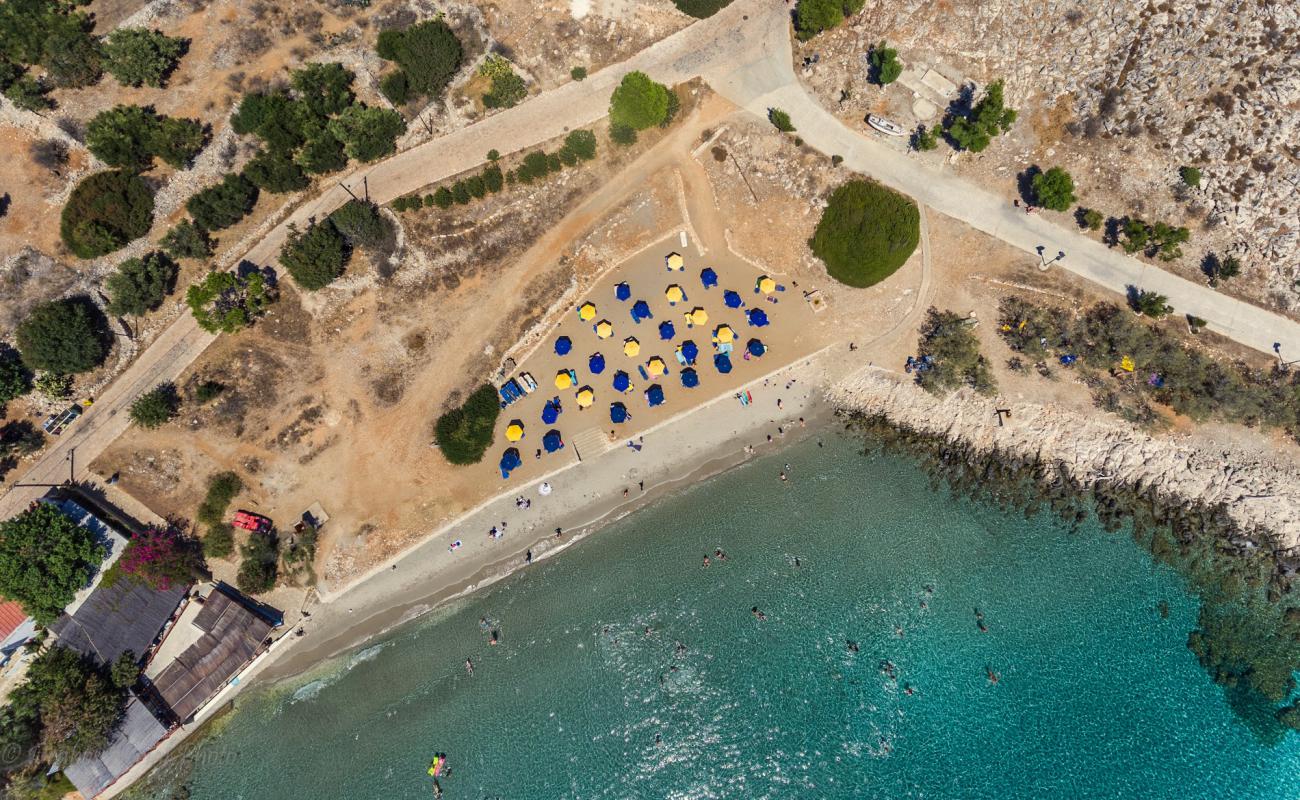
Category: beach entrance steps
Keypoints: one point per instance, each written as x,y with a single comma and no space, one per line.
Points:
590,443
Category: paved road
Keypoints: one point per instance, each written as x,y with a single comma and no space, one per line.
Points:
744,53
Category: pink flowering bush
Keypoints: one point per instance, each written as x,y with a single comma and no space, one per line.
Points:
162,557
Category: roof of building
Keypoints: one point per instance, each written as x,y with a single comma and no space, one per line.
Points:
126,615
139,733
232,635
11,616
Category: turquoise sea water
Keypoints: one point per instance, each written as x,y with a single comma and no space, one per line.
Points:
1098,695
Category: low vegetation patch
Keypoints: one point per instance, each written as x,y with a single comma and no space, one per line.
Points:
507,87
811,17
105,212
156,407
866,233
219,538
464,434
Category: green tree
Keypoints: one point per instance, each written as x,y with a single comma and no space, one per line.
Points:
460,192
274,171
622,134
141,57
15,377
72,57
1092,219
224,204
361,223
700,9
64,336
321,154
442,197
1150,304
492,178
811,17
1135,235
578,73
72,705
219,541
885,67
1053,189
45,559
1168,240
866,233
476,186
951,355
396,88
187,240
125,671
316,256
258,569
989,118
464,433
156,407
225,302
638,102
140,284
326,89
428,53
582,143
367,133
780,120
29,94
223,487
178,141
926,139
122,136
1190,176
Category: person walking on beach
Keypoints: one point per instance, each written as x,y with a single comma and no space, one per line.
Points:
528,557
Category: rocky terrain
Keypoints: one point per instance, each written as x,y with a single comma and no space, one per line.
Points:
1260,491
1122,94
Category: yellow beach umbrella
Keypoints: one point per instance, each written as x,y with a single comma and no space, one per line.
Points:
562,380
674,261
674,293
604,329
766,285
655,366
585,396
514,431
587,311
631,346
724,333
697,316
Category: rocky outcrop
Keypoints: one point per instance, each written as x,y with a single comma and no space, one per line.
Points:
1259,493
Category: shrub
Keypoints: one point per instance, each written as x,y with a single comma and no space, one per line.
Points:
53,386
321,154
15,377
325,88
207,391
219,541
1149,304
866,233
1053,189
132,136
1190,176
161,557
140,57
700,9
442,197
187,240
581,143
836,160
259,567
273,171
226,302
224,204
223,487
361,223
1091,219
926,139
780,120
64,336
622,134
29,94
396,88
460,192
367,133
493,155
638,102
578,73
506,91
45,559
156,407
811,17
140,284
465,433
428,53
105,212
951,357
885,67
989,118
1135,235
476,186
316,256
492,178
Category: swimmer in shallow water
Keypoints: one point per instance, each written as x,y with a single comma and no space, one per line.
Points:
851,645
469,666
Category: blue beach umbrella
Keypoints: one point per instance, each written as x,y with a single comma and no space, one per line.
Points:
551,412
617,413
708,277
732,299
622,291
690,379
756,348
655,395
690,351
552,441
666,330
563,345
596,364
641,310
621,381
510,460
722,362
757,317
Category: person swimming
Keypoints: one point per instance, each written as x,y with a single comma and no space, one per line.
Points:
851,645
706,560
494,637
469,666
758,615
992,676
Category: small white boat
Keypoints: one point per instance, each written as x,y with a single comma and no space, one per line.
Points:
885,126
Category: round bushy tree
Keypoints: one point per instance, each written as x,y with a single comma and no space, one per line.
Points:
156,407
866,233
638,102
64,336
105,211
140,284
316,256
1054,189
45,558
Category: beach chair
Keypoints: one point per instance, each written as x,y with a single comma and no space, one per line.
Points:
645,376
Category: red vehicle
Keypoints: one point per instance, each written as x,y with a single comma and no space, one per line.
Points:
252,522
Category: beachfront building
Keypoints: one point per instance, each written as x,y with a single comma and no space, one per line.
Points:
139,732
127,616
